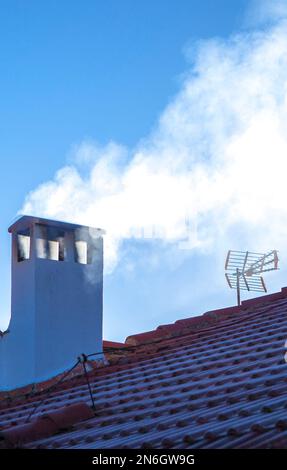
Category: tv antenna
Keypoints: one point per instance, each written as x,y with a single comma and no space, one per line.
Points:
243,269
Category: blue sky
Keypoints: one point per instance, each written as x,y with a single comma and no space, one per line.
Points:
76,76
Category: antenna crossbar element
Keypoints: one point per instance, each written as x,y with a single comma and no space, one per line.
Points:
243,269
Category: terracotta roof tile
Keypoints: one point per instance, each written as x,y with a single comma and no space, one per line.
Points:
45,425
213,381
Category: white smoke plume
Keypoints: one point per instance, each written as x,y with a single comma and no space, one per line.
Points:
213,170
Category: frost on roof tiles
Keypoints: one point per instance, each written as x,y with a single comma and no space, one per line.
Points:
213,381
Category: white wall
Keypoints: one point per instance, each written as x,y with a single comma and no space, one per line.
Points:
56,312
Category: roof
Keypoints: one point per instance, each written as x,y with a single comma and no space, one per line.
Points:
26,221
213,381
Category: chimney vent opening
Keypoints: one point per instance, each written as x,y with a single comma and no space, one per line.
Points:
23,246
50,244
81,252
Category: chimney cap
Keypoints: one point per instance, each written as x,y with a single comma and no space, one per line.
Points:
26,221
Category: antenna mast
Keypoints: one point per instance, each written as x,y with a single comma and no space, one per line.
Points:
243,269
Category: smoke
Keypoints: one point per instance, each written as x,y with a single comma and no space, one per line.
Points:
212,174
265,12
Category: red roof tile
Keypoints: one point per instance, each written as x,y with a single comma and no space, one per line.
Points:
213,381
45,425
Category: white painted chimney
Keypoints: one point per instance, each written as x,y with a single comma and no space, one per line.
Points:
57,300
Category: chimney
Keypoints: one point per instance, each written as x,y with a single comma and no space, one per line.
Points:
57,300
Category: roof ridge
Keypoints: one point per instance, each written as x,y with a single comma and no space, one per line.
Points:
201,322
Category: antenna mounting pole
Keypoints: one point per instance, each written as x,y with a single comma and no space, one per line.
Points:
238,286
